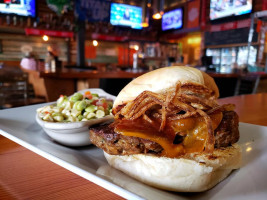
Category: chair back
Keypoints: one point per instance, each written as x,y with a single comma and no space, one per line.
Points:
13,88
247,84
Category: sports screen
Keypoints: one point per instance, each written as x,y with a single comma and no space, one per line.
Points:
126,15
18,7
172,19
226,8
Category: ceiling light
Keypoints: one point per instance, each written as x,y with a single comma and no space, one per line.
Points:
157,16
145,15
158,9
144,24
95,43
45,38
136,47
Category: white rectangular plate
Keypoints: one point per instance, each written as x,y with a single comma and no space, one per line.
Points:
249,182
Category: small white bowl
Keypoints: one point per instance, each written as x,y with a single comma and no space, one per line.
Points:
74,133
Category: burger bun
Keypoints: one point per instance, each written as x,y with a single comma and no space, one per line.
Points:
164,79
192,173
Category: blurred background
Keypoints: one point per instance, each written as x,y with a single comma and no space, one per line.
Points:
50,47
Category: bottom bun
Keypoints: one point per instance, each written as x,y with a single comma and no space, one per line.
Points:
192,173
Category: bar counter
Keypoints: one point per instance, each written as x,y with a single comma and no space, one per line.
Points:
68,81
92,74
26,175
97,74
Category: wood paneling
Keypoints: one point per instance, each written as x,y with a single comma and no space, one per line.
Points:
12,44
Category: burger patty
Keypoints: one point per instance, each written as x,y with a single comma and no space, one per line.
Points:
113,143
227,132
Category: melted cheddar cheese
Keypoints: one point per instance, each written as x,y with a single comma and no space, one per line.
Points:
194,131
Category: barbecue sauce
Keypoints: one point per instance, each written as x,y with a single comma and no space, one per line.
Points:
194,131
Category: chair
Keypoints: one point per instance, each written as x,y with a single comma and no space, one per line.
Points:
15,89
247,84
38,84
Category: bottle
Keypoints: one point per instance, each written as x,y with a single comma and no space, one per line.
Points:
8,20
50,64
15,21
53,65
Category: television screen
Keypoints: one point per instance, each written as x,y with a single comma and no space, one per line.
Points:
126,15
172,19
18,7
221,8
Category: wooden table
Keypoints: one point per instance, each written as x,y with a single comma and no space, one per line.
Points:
250,108
26,175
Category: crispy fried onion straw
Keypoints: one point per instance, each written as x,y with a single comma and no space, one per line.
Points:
173,105
169,98
225,107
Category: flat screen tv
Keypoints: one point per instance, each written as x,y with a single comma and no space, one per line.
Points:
126,15
25,8
221,8
172,19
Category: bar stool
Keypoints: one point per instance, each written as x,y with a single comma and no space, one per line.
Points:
247,84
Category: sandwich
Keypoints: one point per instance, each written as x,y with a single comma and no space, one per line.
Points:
169,131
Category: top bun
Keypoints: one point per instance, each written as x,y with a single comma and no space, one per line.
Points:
163,79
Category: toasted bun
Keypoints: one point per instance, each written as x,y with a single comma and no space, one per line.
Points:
193,173
163,79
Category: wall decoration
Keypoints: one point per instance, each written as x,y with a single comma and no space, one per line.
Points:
193,14
59,6
92,10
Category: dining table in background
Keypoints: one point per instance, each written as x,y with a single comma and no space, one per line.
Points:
26,175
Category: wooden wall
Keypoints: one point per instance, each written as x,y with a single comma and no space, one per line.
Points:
13,43
13,38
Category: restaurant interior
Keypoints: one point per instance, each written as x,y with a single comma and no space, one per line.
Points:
63,64
49,48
